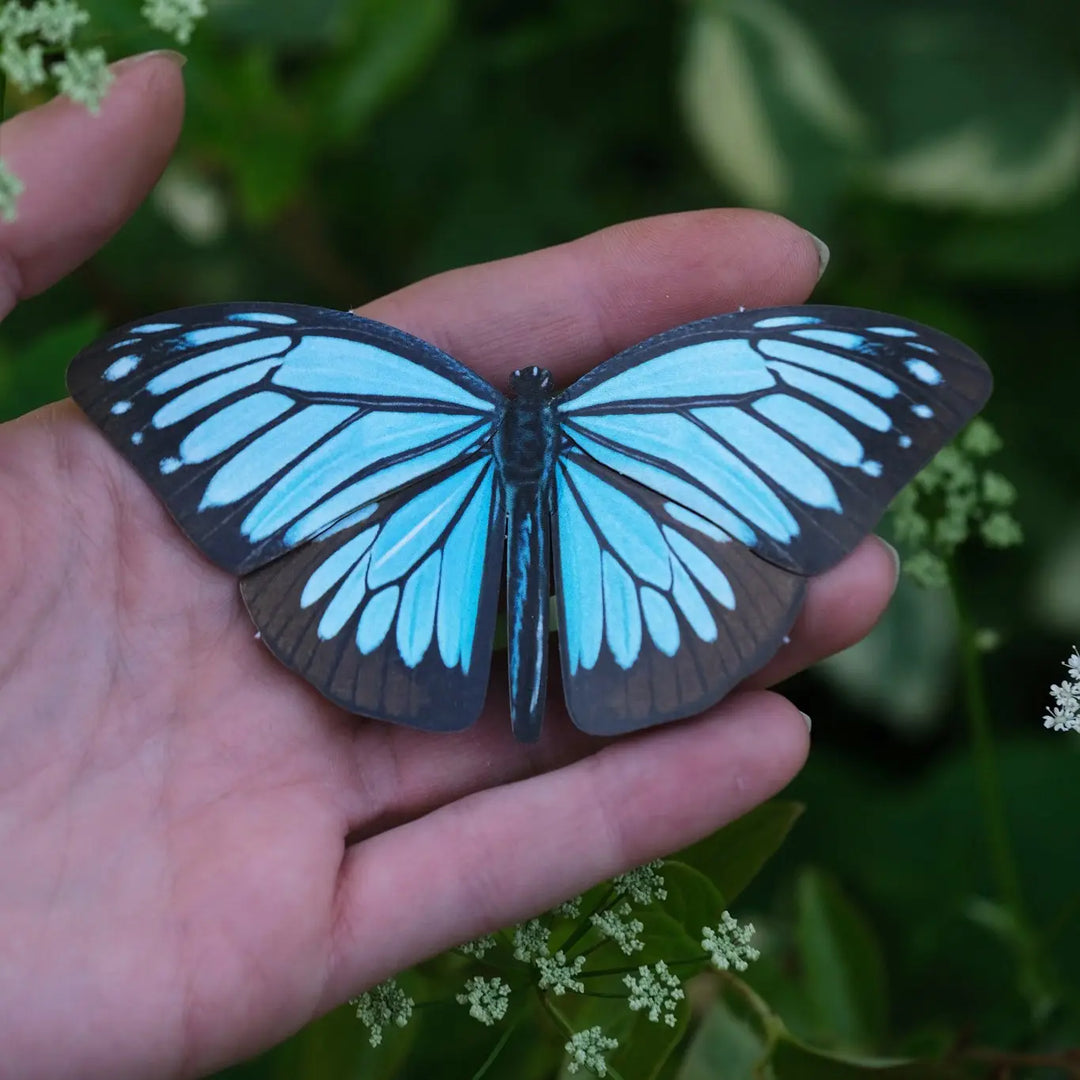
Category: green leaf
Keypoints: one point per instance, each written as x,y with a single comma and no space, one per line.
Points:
843,966
733,855
979,110
666,938
692,899
724,1047
763,104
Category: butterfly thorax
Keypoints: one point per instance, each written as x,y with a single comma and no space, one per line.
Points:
525,441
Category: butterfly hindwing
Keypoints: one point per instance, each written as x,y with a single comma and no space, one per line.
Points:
789,428
259,425
391,612
660,612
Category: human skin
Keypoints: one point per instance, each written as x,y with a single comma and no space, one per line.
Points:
200,854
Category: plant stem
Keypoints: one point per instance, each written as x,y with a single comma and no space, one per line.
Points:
982,747
499,1046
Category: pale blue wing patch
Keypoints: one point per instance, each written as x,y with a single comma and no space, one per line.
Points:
771,426
391,612
261,426
660,610
611,547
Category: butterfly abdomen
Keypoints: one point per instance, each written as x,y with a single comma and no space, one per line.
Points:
525,446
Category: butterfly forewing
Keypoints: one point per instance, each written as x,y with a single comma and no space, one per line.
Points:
789,428
391,612
660,612
261,425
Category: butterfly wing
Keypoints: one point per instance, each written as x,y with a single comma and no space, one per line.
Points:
260,425
391,612
789,428
660,612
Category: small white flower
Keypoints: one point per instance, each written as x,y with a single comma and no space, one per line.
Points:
643,885
586,1050
1072,665
23,65
57,20
382,1006
176,17
728,945
1064,715
558,976
569,909
657,990
531,941
620,928
478,947
487,999
84,76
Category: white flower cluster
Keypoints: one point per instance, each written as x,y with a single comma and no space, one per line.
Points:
487,999
1064,714
27,32
728,945
616,924
176,17
587,1048
531,941
558,975
643,885
953,498
657,990
382,1006
478,947
569,909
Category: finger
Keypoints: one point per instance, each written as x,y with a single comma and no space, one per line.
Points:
502,855
842,606
416,772
569,307
85,175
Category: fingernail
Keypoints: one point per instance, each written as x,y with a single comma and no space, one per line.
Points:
896,561
178,58
822,253
809,722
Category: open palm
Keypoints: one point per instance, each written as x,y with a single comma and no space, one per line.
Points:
199,853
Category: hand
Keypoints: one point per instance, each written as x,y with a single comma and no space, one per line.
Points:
200,854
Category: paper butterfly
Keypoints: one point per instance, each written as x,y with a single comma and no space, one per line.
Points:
363,484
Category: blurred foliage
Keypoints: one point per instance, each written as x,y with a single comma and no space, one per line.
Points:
936,147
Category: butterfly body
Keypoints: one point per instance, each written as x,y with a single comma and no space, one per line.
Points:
364,486
526,448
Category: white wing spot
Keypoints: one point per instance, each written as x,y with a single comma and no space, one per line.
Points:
924,372
119,368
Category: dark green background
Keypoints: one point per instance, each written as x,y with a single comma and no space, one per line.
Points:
337,149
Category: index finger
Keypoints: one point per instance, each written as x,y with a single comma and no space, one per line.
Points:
571,306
